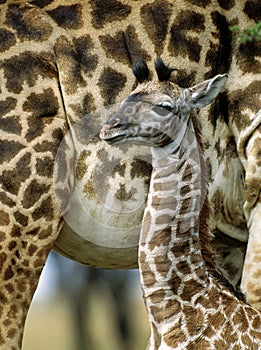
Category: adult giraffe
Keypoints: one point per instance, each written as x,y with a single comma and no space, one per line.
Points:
61,60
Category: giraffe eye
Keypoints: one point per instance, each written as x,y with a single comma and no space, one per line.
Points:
163,108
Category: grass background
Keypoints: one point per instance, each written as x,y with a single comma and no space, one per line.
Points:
49,324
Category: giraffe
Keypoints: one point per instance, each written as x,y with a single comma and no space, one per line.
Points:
188,301
63,60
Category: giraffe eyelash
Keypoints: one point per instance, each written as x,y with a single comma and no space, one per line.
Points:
166,105
162,109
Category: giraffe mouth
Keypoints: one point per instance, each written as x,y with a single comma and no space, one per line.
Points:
112,135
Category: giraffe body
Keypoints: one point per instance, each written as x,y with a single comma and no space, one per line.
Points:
60,62
189,303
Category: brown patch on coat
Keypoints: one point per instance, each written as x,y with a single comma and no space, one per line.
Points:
44,105
111,84
163,264
9,149
124,47
122,194
174,282
81,167
163,219
161,238
158,296
194,319
256,152
180,43
3,258
175,335
33,193
11,125
107,11
155,18
253,10
161,314
44,166
35,128
160,203
219,55
7,106
200,3
191,287
7,39
11,180
69,16
32,248
4,218
26,68
148,275
41,3
226,4
84,47
20,218
241,320
252,189
181,249
146,223
240,100
8,274
45,210
72,77
247,57
45,233
27,22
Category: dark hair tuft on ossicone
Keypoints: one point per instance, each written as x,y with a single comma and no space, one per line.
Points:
140,70
162,70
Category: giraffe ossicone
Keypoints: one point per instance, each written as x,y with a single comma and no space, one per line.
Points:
188,301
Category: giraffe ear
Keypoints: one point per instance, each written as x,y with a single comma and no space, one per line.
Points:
204,93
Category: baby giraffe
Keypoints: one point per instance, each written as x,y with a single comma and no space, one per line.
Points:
190,305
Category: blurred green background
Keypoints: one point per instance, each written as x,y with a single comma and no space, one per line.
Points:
81,308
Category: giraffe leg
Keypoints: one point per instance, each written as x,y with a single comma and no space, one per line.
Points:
251,278
21,263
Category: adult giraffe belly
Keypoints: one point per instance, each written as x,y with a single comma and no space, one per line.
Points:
102,226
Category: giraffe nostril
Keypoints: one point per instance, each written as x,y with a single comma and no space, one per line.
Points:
104,131
116,122
110,128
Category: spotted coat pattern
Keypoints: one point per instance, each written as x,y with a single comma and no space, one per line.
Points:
61,60
189,303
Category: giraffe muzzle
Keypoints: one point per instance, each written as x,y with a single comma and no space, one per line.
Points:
112,133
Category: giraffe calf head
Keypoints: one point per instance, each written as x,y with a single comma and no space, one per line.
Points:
157,112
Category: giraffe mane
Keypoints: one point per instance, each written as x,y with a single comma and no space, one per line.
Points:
205,235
